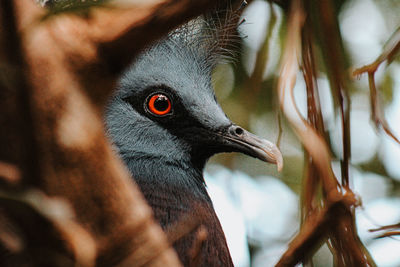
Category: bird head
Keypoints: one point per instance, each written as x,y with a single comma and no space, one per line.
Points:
165,109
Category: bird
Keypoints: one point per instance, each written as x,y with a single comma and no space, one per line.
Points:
165,123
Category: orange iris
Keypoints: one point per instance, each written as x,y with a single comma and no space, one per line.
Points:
159,105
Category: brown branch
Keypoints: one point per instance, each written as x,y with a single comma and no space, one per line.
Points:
332,49
389,234
386,227
280,129
67,66
390,50
40,210
20,146
182,227
376,109
311,202
195,251
347,248
346,245
312,234
312,141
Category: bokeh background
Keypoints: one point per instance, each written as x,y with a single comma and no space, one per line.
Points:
259,207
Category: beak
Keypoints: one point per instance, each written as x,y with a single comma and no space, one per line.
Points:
240,140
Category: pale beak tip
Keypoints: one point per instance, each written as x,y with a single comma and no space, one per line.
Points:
274,156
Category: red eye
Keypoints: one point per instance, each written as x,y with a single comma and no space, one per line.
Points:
159,105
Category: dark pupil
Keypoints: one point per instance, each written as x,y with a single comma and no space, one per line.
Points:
161,103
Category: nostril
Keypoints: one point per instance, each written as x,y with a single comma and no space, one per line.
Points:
239,131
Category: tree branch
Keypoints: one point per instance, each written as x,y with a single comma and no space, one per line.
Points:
70,64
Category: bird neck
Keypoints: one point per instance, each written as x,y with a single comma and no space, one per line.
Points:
168,173
176,190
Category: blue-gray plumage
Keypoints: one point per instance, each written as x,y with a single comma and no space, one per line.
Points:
165,122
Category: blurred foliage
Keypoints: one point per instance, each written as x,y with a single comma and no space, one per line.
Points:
235,96
249,97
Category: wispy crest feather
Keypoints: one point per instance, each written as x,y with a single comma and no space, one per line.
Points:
214,37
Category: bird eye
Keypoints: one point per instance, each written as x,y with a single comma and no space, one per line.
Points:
159,105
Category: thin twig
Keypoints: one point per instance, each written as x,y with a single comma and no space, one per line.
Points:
280,129
390,50
376,110
389,234
348,250
195,251
182,227
386,227
312,234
